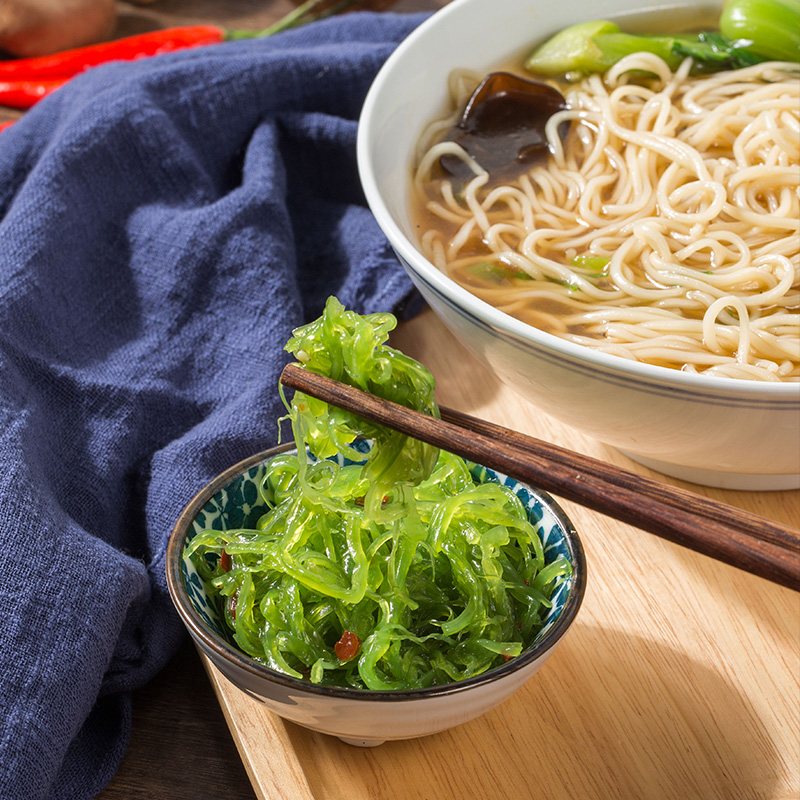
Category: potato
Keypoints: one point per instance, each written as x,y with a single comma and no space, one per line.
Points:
40,27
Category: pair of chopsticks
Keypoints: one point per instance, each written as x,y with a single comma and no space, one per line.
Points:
736,537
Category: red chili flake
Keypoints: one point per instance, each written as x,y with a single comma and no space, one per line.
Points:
506,658
225,561
359,501
347,647
232,605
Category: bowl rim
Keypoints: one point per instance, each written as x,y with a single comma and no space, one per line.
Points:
488,315
228,653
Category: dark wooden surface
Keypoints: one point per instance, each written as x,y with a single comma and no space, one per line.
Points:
181,747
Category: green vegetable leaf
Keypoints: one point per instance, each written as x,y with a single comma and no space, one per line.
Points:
573,52
591,263
496,272
751,31
769,29
712,52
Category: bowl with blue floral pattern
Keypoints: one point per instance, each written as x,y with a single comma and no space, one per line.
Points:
364,717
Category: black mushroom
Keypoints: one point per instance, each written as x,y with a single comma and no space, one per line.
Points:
503,125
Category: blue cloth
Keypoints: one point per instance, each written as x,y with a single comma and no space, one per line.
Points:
164,225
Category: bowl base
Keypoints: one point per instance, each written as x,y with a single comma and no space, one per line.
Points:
361,742
739,481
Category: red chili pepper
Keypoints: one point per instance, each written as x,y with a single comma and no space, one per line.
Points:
70,62
24,93
225,561
347,646
25,81
7,124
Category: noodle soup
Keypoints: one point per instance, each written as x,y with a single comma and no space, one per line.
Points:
664,228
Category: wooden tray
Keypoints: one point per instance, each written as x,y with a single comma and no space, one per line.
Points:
680,678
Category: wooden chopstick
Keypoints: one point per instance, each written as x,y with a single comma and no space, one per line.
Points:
752,524
736,537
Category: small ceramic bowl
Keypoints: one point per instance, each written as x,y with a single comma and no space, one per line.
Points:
359,717
733,434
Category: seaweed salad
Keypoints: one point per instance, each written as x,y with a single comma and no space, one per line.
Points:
379,566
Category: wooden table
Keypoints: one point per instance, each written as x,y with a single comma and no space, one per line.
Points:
680,679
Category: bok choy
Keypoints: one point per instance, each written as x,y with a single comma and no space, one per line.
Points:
750,31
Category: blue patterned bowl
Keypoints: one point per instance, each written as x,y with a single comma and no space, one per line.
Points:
360,717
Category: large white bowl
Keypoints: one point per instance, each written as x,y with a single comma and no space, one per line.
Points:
715,431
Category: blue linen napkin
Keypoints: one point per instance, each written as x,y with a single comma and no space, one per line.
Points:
164,225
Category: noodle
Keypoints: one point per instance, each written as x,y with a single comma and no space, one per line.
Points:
664,229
